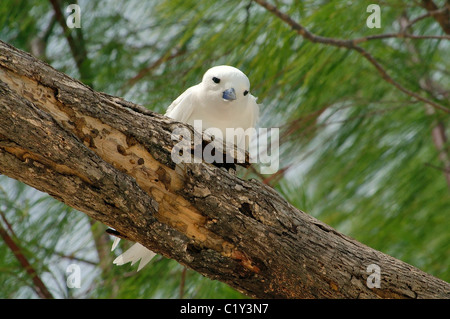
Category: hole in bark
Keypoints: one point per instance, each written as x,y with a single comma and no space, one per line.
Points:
246,209
192,249
131,141
121,150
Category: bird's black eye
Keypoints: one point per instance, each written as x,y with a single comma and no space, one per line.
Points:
245,92
216,80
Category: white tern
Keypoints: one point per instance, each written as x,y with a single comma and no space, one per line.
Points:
222,100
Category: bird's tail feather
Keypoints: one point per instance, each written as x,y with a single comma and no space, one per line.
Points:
134,254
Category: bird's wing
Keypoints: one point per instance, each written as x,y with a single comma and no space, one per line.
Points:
182,107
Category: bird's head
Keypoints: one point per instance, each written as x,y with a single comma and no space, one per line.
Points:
225,84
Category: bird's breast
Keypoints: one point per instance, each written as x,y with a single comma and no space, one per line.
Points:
221,117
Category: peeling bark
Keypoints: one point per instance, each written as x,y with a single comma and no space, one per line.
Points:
111,160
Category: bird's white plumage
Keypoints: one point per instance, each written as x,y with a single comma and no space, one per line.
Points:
205,102
134,254
209,102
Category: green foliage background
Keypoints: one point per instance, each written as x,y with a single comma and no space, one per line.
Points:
356,152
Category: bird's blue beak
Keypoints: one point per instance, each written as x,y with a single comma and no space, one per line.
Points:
229,95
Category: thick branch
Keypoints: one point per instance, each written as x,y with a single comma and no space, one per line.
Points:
111,160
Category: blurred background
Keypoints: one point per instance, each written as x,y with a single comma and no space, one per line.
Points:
356,152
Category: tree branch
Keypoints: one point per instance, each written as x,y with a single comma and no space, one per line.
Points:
39,287
348,44
400,35
111,159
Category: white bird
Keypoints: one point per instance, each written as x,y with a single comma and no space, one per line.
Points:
222,100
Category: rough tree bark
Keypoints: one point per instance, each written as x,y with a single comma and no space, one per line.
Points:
111,160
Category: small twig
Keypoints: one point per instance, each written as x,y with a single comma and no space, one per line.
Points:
8,224
164,58
400,35
423,16
182,282
274,178
439,168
